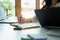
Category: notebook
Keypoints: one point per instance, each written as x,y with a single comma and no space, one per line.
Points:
27,25
37,37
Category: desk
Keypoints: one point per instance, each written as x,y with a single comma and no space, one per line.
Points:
7,33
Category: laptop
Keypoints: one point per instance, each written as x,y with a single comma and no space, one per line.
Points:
49,18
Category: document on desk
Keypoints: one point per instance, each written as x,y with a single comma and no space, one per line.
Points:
29,25
54,32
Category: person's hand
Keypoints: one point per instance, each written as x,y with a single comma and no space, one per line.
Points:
24,20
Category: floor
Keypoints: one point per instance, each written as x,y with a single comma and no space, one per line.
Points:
8,33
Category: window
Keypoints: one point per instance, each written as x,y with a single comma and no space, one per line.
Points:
41,4
27,8
9,6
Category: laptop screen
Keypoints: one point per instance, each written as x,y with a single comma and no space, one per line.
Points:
49,16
